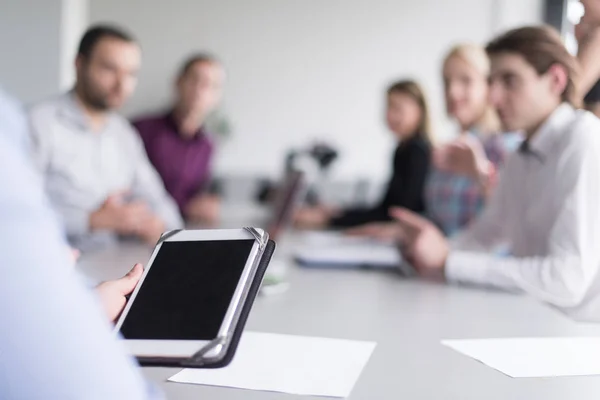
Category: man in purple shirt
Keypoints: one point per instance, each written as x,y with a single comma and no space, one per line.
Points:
178,145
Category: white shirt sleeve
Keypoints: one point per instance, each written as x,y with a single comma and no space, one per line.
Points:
565,273
40,130
54,342
75,219
149,186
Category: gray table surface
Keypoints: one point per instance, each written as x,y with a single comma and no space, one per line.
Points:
407,319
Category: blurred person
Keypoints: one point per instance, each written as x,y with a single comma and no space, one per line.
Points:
178,144
407,117
587,33
545,206
56,344
95,168
14,121
464,172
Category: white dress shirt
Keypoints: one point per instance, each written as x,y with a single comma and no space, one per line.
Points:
82,168
546,210
55,343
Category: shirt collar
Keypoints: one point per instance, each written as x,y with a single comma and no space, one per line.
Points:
73,111
473,131
542,141
170,117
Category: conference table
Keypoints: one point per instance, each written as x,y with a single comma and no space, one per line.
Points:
407,318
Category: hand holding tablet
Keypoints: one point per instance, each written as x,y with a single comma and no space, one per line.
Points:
194,295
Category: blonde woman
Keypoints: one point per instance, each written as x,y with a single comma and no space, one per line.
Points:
464,171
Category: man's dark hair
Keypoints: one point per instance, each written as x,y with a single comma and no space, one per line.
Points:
98,32
196,58
541,47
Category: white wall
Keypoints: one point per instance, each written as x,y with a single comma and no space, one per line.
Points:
303,69
30,47
75,15
509,14
38,42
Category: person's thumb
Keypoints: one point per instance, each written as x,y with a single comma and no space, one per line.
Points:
113,200
129,281
117,198
75,254
407,218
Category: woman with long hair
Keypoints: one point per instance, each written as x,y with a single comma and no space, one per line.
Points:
407,117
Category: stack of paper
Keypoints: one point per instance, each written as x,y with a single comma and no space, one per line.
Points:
290,364
338,251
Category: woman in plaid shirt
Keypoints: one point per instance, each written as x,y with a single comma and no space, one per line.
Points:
464,171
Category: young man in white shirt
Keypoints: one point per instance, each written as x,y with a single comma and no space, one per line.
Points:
95,168
545,209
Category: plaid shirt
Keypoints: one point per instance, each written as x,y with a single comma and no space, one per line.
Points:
453,201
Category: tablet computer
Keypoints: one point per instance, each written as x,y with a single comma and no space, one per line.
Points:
191,293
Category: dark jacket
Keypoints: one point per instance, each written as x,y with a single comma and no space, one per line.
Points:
405,189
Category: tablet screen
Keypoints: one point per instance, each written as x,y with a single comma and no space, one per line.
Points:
187,290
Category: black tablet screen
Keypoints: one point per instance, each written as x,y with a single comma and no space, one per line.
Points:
187,291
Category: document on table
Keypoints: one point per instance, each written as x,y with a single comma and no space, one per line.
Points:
534,357
290,364
335,250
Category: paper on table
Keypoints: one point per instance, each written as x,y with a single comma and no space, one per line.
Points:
352,255
289,364
336,250
534,357
328,238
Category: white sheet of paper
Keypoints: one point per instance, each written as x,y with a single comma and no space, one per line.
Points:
534,357
328,238
332,248
289,364
376,255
